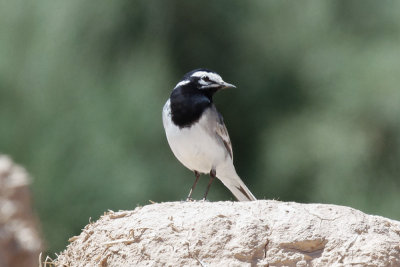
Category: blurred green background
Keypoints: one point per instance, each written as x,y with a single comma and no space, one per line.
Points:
315,117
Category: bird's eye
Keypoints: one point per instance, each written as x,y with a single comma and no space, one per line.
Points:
205,78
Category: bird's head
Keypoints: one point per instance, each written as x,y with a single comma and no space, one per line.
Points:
204,79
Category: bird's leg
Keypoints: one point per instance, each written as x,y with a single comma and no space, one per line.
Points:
212,176
197,174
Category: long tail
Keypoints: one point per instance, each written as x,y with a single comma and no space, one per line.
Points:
236,186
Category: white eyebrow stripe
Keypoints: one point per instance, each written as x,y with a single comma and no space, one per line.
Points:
199,73
213,76
184,82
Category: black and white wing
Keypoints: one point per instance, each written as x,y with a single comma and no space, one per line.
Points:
222,132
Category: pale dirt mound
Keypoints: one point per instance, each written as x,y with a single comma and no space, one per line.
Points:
260,233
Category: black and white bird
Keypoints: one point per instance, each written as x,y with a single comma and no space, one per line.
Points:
197,134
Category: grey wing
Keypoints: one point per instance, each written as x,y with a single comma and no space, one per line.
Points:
222,133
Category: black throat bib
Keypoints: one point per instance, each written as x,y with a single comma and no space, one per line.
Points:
188,104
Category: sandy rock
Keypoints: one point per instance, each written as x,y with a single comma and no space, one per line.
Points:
260,233
20,243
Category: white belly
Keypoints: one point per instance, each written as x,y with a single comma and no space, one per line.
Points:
194,147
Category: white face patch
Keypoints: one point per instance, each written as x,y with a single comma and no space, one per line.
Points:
214,80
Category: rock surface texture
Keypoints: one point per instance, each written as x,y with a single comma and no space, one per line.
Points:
260,233
20,242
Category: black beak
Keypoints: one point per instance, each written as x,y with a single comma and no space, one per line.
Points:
225,85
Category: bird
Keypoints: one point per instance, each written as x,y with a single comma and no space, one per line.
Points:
197,134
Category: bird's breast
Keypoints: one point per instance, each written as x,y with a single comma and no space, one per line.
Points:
194,146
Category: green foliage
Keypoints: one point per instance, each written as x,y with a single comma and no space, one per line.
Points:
315,117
